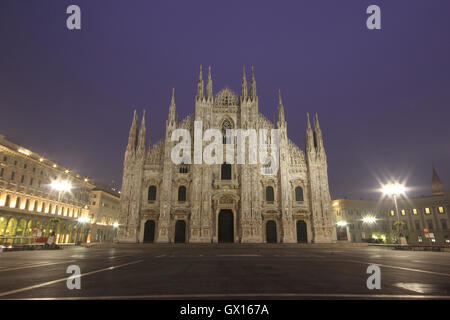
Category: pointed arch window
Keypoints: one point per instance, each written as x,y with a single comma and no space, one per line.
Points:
270,194
298,194
182,194
152,193
226,124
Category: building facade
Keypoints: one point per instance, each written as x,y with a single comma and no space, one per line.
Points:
31,207
104,213
162,201
425,219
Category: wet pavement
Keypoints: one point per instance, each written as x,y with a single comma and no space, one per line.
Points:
224,272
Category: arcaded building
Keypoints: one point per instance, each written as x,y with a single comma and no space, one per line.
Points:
163,201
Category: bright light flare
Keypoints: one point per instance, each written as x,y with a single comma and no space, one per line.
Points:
61,185
369,219
84,219
116,224
393,189
342,223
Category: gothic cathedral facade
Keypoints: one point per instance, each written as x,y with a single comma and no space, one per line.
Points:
166,202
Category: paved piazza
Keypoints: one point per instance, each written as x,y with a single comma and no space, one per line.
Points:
224,272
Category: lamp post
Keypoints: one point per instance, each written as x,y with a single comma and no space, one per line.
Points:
60,186
395,190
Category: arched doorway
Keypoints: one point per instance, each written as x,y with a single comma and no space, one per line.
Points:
149,231
226,226
302,236
180,231
271,232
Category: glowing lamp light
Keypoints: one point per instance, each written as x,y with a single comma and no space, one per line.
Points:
24,151
342,223
84,220
116,224
394,189
61,185
369,219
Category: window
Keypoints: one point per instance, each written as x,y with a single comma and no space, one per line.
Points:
298,194
39,184
226,171
444,224
35,205
12,175
31,181
182,194
22,179
152,193
269,194
414,211
226,125
441,209
427,211
17,203
403,212
15,162
25,166
5,158
430,224
183,169
2,170
7,201
27,204
392,213
417,225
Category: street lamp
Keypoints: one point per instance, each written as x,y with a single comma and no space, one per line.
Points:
82,221
60,186
342,223
394,190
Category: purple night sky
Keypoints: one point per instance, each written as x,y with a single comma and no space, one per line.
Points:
383,96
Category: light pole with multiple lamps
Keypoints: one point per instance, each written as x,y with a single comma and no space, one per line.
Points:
395,190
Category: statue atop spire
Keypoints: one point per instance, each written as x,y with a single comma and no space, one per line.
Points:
200,91
244,85
253,85
209,91
437,187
